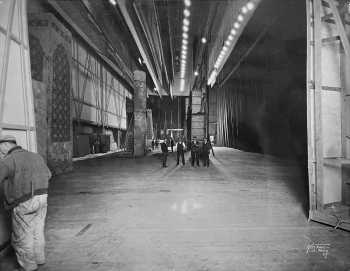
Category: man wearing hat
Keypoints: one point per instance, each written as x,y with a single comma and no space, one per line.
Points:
25,178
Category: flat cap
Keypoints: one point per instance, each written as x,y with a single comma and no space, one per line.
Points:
8,138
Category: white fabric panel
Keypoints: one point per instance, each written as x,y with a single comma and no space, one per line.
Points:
24,23
331,124
90,92
16,23
331,64
81,54
74,80
32,140
89,113
4,12
111,96
29,97
2,45
14,103
123,124
115,121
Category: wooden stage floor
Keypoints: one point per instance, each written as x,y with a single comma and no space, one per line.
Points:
245,212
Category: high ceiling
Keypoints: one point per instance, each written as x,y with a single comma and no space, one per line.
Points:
160,25
149,35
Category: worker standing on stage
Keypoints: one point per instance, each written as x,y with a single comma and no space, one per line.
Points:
206,152
172,143
195,153
164,148
180,148
25,176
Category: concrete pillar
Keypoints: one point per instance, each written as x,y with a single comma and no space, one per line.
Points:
140,124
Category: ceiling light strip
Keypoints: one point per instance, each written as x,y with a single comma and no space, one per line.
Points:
238,24
184,44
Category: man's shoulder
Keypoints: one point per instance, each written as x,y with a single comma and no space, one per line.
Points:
27,155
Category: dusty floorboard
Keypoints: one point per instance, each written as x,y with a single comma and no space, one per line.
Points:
245,212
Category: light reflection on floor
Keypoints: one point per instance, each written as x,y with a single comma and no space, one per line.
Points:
187,206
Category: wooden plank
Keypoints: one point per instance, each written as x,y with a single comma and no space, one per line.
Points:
19,127
318,148
13,37
338,89
328,18
144,54
83,230
331,39
310,96
340,26
330,220
325,4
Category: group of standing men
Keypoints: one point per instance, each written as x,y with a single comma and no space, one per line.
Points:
197,151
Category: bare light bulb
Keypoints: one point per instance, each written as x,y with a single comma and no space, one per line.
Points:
187,3
186,22
250,5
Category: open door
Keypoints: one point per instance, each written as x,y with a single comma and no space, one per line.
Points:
328,110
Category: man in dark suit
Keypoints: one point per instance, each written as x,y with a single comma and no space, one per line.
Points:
180,148
164,148
195,153
206,152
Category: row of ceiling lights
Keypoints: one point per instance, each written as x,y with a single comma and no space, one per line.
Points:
184,46
229,41
237,24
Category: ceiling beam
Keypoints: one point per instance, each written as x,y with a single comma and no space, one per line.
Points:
124,74
143,52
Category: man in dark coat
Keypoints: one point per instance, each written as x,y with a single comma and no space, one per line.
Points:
206,151
164,148
25,177
180,148
153,143
172,143
195,153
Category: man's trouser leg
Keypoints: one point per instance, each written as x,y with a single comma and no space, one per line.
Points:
164,159
28,241
39,237
183,158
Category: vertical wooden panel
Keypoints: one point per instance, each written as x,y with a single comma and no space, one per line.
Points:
311,105
327,111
